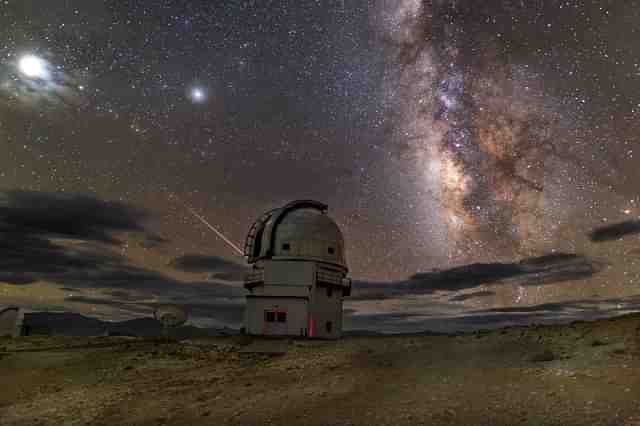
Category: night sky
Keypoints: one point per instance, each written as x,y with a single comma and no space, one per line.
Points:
480,157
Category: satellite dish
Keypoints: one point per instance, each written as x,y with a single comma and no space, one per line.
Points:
170,316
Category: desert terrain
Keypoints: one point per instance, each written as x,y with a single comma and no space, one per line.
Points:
577,374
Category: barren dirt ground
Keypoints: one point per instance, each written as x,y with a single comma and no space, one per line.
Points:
580,374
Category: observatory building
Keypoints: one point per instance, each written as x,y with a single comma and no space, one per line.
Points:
299,273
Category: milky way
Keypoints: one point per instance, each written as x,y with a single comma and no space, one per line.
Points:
482,131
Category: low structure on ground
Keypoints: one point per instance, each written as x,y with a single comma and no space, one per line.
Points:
11,322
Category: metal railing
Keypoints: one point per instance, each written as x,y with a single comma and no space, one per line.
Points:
329,277
322,275
254,277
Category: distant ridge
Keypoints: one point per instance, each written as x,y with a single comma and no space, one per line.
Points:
371,333
73,324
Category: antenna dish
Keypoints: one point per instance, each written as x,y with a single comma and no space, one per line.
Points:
170,316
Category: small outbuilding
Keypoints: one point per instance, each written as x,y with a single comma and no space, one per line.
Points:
299,273
11,321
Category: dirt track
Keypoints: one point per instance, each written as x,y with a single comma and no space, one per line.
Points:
585,374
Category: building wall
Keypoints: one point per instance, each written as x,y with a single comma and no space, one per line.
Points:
326,309
11,320
292,286
295,307
292,273
281,291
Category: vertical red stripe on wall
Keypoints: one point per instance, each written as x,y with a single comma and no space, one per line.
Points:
312,326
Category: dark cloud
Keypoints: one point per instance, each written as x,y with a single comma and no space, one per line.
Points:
67,240
153,240
463,297
615,231
543,270
227,276
33,258
201,263
608,306
133,283
44,236
16,278
415,320
62,215
74,266
128,287
221,310
219,269
128,307
119,293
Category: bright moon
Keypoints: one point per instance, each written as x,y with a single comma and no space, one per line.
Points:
33,67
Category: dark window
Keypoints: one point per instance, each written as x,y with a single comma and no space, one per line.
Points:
269,316
329,326
331,250
329,291
282,317
286,246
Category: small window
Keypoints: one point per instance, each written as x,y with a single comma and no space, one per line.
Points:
329,291
286,246
282,316
331,250
329,326
269,316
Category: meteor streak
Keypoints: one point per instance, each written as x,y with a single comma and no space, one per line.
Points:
218,233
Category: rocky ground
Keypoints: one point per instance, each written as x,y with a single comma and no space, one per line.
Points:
579,374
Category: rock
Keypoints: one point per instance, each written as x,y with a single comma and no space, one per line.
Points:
598,342
619,349
543,356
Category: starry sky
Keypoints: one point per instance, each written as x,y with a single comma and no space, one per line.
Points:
466,149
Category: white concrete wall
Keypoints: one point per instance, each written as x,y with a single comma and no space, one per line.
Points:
281,290
325,309
11,320
296,309
289,273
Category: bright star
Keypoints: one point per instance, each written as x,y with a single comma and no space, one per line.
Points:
33,67
198,95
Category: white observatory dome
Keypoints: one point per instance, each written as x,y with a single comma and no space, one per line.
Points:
301,230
